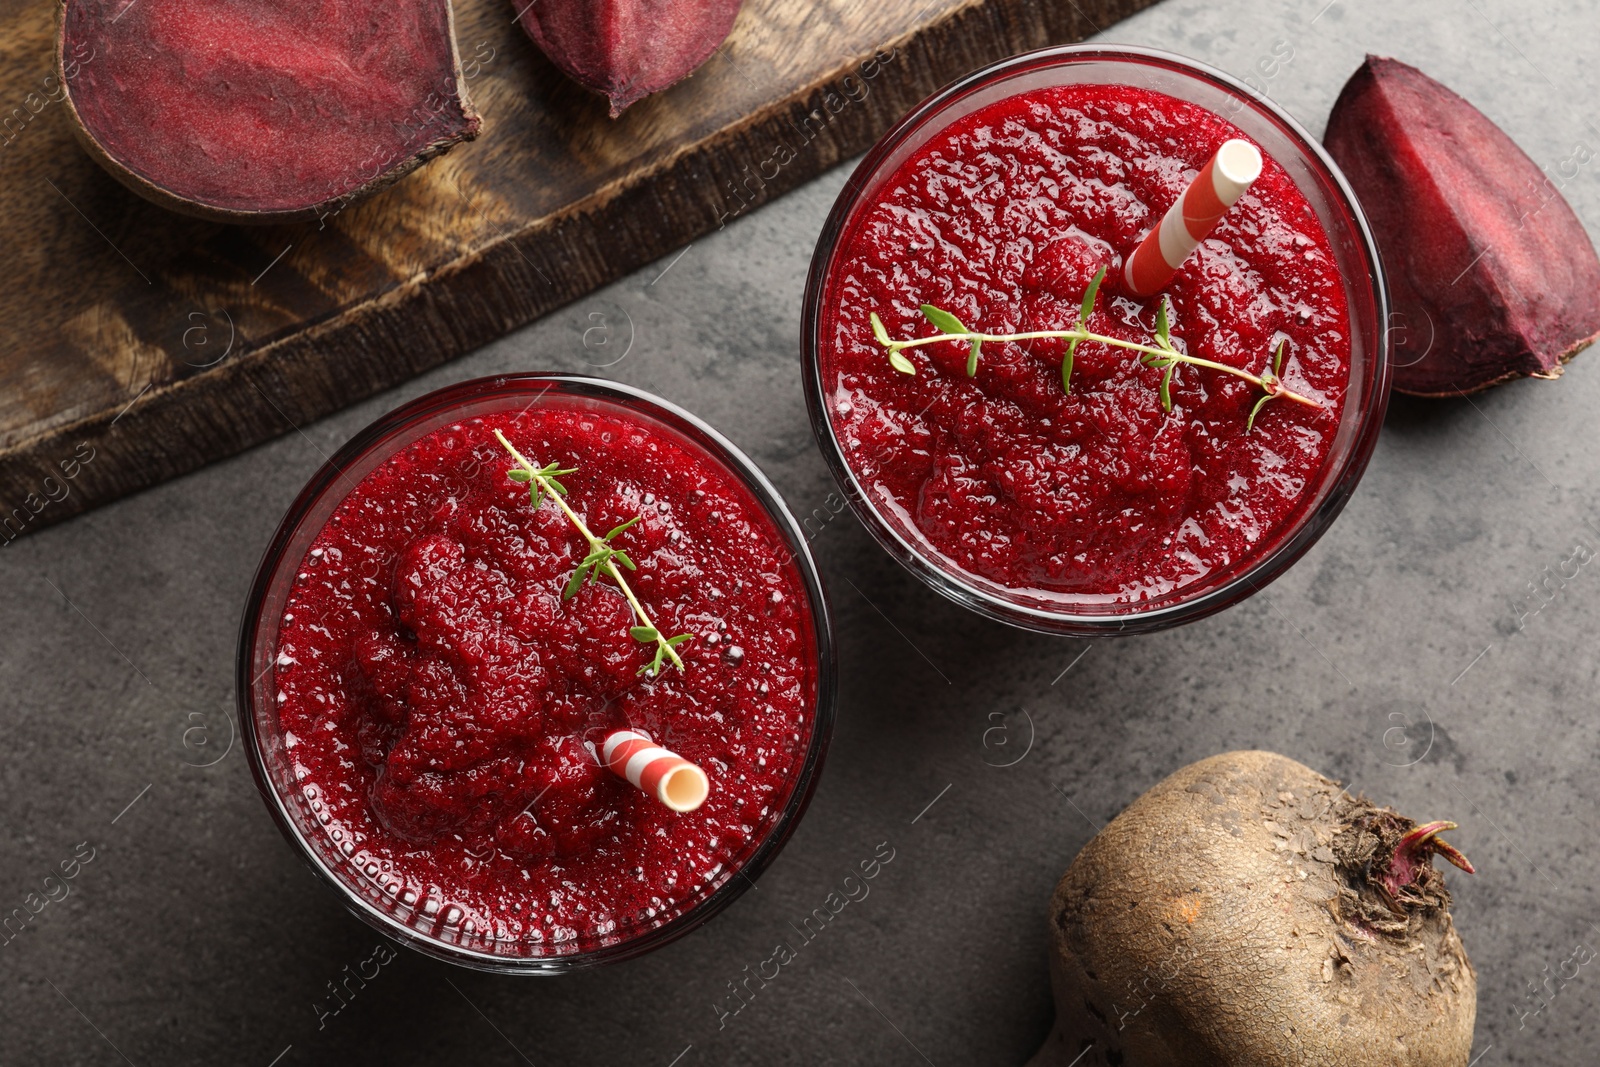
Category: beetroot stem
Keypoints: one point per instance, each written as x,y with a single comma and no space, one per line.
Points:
1426,837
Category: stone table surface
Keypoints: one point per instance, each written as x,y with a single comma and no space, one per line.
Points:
1400,655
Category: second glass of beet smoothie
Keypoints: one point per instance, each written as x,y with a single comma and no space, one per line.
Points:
428,677
1120,506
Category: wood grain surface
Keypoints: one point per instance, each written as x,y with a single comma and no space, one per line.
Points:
140,344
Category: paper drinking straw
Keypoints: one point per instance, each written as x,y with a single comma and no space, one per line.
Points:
1220,182
668,777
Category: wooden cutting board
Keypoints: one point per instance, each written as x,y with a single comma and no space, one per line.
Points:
140,344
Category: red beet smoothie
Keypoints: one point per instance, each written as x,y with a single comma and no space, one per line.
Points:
1099,496
438,699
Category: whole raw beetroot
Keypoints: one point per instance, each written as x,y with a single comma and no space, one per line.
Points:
1491,274
1247,912
628,49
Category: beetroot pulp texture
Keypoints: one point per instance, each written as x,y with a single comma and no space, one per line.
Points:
1492,275
263,110
1101,495
1247,912
628,49
441,702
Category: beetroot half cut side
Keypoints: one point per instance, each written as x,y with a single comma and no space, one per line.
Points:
262,110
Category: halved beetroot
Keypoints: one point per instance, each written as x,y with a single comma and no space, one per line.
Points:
262,110
1476,239
627,49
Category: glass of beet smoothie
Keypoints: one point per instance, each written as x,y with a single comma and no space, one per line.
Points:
435,654
1086,488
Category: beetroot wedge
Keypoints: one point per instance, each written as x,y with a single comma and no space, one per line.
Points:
1492,275
262,110
627,49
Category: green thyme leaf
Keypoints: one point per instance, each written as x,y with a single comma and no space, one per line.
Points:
518,475
574,583
900,363
680,639
1166,386
1066,365
653,668
644,634
1277,360
942,320
878,330
972,359
1163,331
1250,423
1088,297
618,529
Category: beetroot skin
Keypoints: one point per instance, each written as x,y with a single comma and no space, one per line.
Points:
628,49
1475,238
262,110
1247,912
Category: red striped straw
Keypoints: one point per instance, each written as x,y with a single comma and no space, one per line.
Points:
668,777
1220,182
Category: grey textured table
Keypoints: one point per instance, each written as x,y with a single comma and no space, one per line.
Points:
1391,656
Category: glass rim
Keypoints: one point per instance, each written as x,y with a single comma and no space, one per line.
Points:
823,711
1337,482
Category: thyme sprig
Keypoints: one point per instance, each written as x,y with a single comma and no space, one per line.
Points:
603,559
1161,355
